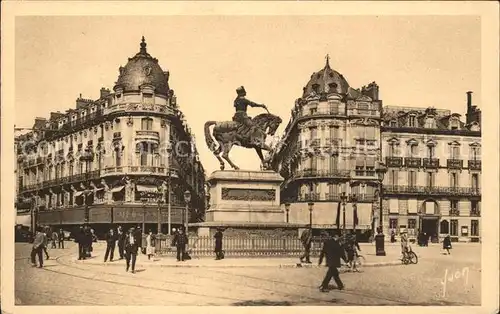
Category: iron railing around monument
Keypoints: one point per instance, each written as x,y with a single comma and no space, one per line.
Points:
242,246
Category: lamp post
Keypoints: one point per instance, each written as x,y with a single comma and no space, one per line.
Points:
287,209
160,201
311,207
187,199
144,201
169,192
343,198
379,238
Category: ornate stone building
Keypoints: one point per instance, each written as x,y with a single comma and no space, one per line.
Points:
121,159
433,183
335,140
331,146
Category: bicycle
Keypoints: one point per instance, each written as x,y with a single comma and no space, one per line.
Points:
409,257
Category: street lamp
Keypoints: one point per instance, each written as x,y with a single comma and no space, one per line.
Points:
144,201
311,207
187,199
160,201
169,192
379,238
287,209
343,198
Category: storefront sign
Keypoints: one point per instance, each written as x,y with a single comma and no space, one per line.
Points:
73,216
100,215
49,218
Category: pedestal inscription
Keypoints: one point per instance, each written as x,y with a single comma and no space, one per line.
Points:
235,194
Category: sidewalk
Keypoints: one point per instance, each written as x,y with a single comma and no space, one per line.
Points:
367,250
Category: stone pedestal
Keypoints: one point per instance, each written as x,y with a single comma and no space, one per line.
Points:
241,199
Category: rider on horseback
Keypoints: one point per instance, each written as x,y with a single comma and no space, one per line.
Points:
241,104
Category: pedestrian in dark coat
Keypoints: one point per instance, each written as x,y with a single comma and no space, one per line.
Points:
80,240
306,239
61,239
180,242
39,242
333,253
121,242
132,246
111,238
218,244
447,244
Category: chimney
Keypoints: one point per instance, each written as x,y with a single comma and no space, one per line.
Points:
469,101
104,92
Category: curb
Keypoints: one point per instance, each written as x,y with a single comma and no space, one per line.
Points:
287,265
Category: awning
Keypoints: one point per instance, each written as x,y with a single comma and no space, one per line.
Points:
412,206
98,189
429,208
147,188
24,220
117,189
360,162
393,206
78,193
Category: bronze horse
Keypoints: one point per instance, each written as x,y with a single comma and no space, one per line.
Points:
227,134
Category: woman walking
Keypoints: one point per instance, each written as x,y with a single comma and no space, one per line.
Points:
150,245
447,244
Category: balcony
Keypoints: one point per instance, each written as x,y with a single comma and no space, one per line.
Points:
431,163
138,107
370,174
428,190
475,213
147,136
474,164
395,162
313,173
454,163
315,142
366,198
334,197
309,197
454,212
320,112
413,162
362,112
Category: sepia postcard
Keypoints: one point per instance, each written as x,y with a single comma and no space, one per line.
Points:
235,155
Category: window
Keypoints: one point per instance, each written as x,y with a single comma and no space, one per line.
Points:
444,227
333,163
118,158
313,133
474,206
430,123
454,227
475,153
412,223
313,111
393,177
454,205
334,132
454,124
412,121
393,223
431,151
71,169
475,181
393,123
430,179
314,162
147,98
455,152
474,228
147,124
454,180
412,178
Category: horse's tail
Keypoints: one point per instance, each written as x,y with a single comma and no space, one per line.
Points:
208,136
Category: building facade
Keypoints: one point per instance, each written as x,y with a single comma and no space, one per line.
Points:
338,137
331,146
433,183
125,158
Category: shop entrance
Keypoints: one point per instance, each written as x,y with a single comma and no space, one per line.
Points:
430,226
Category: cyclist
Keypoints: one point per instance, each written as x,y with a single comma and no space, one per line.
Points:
404,243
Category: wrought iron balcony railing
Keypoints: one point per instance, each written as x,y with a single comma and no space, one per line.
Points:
431,190
454,163
474,164
454,212
413,162
313,173
475,213
431,162
396,162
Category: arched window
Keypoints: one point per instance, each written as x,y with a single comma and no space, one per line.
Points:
444,227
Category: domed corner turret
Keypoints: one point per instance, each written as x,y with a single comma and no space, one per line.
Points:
140,70
325,82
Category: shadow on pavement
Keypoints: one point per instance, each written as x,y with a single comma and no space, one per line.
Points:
262,303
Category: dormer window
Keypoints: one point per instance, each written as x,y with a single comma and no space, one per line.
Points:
315,88
393,124
454,124
430,123
412,121
147,98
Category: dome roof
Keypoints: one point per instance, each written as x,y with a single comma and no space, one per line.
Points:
326,81
140,70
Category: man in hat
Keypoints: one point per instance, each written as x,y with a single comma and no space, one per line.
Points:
404,243
333,252
241,104
218,244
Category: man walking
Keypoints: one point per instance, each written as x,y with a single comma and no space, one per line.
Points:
306,239
46,231
121,242
333,253
80,239
180,242
110,245
218,244
38,243
132,245
61,239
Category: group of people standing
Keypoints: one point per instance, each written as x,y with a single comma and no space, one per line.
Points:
85,237
41,241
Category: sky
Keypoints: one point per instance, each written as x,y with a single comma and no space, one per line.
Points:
417,61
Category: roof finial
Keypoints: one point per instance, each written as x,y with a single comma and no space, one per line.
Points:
143,45
327,60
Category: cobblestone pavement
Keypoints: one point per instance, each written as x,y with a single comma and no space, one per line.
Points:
64,282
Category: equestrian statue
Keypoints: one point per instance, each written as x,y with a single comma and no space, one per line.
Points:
241,131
